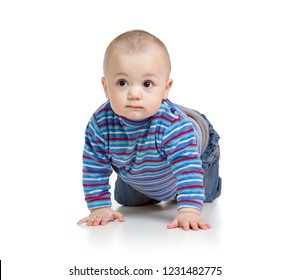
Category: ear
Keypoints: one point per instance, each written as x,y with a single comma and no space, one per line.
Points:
168,87
104,85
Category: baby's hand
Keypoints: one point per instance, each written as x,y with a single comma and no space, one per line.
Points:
189,218
101,216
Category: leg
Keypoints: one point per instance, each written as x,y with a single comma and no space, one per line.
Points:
126,195
210,163
210,154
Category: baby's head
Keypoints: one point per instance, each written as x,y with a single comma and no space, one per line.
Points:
136,74
136,42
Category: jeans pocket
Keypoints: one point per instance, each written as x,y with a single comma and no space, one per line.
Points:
211,159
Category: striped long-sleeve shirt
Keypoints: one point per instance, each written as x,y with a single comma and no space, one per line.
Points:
158,156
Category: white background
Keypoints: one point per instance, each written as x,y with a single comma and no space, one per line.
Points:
230,61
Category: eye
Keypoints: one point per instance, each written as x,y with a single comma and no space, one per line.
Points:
122,83
147,84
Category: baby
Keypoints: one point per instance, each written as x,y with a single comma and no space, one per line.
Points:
159,150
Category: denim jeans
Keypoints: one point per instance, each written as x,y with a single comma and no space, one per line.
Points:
126,195
210,163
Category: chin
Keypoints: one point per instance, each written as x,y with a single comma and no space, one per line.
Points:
136,118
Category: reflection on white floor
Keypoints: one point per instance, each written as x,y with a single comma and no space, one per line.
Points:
144,230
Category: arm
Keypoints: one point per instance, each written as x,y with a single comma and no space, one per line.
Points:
96,172
181,146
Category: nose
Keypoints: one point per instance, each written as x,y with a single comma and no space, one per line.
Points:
134,93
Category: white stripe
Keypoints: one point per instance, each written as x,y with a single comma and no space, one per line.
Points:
190,195
168,113
88,152
132,147
191,180
149,156
95,166
125,133
92,179
187,167
94,191
106,118
178,129
95,134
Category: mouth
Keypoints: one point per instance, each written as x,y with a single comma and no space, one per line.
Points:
134,107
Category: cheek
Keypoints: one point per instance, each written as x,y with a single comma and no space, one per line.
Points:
154,104
155,107
117,102
117,98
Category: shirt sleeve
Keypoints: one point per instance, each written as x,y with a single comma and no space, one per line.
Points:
96,168
181,147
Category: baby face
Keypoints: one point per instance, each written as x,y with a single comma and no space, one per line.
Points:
137,83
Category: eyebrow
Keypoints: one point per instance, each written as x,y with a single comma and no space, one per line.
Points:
145,75
150,75
120,74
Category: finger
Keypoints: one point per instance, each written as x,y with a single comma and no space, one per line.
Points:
186,226
204,226
105,220
173,224
94,222
90,222
194,226
82,221
119,216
